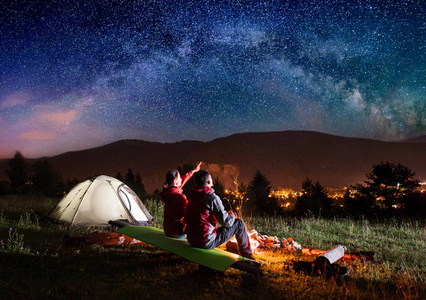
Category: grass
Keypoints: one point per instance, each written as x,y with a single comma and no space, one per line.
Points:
35,264
399,242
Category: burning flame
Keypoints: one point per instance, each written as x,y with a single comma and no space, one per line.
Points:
254,243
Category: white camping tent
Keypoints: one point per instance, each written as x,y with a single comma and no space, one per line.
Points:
98,200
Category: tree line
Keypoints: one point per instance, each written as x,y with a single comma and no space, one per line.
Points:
389,190
39,177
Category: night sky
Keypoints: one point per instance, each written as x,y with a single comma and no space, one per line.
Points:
80,74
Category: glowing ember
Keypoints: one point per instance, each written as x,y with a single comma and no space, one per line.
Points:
258,242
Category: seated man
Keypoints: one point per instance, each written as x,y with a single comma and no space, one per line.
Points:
204,211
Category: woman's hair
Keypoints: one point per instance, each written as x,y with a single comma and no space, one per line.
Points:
170,176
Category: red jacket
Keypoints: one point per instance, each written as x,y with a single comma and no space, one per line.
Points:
204,211
175,208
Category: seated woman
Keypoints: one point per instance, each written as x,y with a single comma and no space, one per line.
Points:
175,203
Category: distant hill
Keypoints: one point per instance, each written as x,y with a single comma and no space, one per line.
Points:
419,139
285,158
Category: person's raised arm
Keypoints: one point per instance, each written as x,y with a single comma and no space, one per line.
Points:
188,175
197,168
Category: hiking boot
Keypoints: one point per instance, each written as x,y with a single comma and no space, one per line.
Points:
248,255
322,266
253,262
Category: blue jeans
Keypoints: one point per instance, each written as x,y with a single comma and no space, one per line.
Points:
180,236
238,229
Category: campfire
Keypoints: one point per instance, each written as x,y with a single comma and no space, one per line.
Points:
259,241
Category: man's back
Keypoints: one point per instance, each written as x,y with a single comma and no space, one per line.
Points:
204,211
201,224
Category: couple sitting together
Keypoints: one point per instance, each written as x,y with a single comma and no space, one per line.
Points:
197,217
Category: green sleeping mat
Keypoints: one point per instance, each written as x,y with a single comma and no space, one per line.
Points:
216,259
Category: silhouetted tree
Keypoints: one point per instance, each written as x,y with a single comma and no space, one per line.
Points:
45,180
139,188
156,194
314,198
18,173
5,188
389,183
259,189
70,184
238,201
415,205
134,182
119,176
130,178
359,204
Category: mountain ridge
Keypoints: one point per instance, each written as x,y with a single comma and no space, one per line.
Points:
286,158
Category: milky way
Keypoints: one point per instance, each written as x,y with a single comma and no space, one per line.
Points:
79,74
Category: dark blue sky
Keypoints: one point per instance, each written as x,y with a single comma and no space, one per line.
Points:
79,74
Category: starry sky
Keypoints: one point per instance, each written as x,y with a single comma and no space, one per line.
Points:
83,73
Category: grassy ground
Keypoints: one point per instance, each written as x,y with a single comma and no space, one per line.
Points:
35,264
